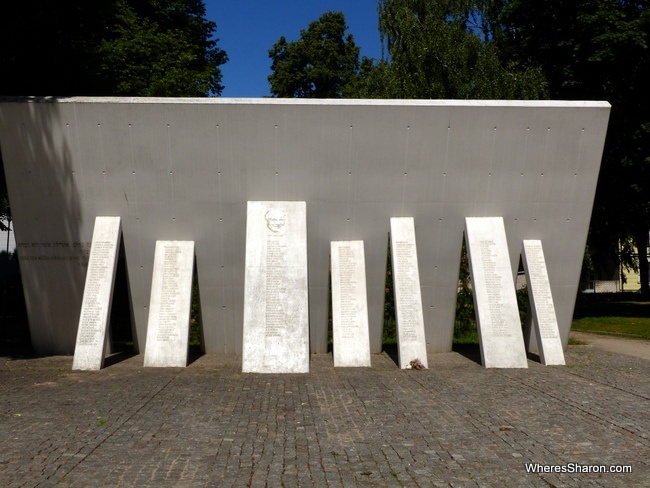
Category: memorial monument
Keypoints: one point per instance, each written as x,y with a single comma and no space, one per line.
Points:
349,304
542,307
168,327
495,300
184,170
276,308
92,337
411,342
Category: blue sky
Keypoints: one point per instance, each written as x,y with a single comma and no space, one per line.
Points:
248,29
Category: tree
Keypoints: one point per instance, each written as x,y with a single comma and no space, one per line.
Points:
323,63
598,50
49,48
109,47
444,49
161,48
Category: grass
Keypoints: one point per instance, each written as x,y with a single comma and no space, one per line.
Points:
621,319
576,342
468,337
637,327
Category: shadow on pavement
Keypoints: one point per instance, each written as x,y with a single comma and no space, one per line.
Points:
391,352
470,351
118,357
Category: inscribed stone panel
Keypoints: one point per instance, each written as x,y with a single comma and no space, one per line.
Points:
495,300
98,292
408,299
349,304
541,304
276,311
169,307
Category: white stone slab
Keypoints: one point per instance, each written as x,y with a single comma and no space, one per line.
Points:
547,331
168,328
495,300
411,339
349,304
276,310
91,342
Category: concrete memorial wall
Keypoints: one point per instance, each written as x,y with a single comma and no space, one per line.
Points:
184,169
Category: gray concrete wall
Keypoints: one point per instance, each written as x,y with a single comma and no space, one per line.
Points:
183,169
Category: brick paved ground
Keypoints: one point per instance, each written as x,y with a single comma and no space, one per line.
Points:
456,424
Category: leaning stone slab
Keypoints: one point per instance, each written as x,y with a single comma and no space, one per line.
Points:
276,310
495,300
349,304
169,308
547,331
91,342
411,339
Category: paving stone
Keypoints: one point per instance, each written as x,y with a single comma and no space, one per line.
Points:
455,424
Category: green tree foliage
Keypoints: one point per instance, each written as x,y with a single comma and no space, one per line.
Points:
49,48
161,48
444,49
465,322
323,63
109,47
598,50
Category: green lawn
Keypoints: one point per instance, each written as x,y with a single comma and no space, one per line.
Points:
638,327
628,318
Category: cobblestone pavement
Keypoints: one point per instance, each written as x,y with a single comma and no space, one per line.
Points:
456,424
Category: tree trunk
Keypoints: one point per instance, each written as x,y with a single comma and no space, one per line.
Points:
641,241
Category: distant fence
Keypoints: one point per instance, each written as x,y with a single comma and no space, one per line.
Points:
603,286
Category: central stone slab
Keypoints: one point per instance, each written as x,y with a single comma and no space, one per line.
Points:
495,299
276,309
